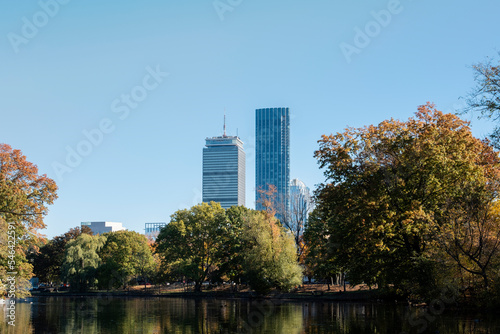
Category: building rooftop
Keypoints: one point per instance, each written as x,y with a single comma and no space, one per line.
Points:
223,140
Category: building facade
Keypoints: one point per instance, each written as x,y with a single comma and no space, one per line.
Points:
224,171
104,227
272,156
301,203
153,229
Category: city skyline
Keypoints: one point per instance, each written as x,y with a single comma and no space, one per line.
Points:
116,111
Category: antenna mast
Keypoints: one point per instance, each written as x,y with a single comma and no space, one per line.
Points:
224,123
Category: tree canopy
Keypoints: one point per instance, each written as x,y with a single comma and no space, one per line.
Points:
48,260
270,254
24,197
125,255
207,241
391,189
190,244
81,261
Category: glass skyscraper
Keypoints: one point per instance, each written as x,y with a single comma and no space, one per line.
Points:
272,156
301,203
224,171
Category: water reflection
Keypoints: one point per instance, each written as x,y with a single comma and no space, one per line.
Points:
175,315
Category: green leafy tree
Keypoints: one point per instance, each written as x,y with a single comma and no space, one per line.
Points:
125,255
319,253
388,189
232,250
190,245
81,261
47,262
269,254
24,197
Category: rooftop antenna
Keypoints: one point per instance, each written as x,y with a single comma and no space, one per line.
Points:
224,123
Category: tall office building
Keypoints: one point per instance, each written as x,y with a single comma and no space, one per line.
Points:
301,203
272,156
224,171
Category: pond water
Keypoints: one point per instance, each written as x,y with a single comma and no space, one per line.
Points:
179,315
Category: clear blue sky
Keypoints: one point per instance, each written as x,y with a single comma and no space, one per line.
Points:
67,72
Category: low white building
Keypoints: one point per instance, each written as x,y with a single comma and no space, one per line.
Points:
104,227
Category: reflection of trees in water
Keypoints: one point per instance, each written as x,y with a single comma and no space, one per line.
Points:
227,316
22,322
365,318
72,315
63,314
285,318
323,317
387,318
176,315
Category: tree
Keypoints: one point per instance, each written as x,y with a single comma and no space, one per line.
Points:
485,97
232,247
190,244
319,253
387,189
472,237
81,261
125,255
269,254
47,262
292,211
300,207
269,201
24,196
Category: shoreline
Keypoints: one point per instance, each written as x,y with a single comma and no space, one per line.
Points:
359,296
348,296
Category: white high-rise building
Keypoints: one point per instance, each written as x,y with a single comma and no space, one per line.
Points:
224,171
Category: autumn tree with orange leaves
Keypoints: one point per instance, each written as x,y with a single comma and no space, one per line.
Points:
24,197
293,218
393,193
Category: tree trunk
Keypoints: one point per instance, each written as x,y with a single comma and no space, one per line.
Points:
485,278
